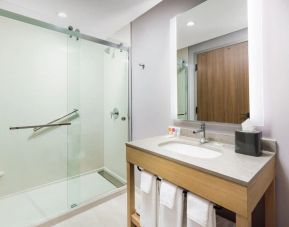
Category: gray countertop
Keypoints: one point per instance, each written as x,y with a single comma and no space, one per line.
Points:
232,166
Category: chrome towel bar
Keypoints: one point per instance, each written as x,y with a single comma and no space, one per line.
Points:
38,126
50,124
58,119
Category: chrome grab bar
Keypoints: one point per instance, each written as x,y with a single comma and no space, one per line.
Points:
58,119
38,126
50,124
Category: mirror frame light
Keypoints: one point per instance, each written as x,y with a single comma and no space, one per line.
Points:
255,38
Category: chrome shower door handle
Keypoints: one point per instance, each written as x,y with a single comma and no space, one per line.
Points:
39,126
114,114
58,119
50,124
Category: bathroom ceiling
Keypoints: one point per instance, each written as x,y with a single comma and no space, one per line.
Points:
211,19
98,18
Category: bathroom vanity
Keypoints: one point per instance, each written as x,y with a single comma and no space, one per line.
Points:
212,171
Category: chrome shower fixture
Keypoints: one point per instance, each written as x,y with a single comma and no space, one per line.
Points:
142,65
182,63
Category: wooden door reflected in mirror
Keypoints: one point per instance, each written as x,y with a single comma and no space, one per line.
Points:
213,62
223,84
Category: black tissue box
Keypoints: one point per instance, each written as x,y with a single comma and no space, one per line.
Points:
248,143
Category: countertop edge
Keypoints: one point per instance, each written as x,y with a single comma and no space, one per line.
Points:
204,170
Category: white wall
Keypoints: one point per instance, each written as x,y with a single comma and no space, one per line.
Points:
276,94
151,86
122,36
151,110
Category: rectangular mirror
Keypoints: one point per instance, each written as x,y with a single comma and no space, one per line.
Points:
213,62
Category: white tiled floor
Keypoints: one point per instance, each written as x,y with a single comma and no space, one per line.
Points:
113,214
51,199
18,211
109,214
34,206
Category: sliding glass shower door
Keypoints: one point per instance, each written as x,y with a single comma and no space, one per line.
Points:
98,89
33,91
63,120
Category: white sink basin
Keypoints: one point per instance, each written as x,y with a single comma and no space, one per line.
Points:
195,151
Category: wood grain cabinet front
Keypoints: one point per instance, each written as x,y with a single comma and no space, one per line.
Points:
240,199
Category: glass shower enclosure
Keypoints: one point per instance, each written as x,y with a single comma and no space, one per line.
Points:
64,119
182,84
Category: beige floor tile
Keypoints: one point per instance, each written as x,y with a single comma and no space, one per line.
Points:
109,214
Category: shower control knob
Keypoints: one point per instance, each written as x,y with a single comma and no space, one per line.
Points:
123,118
114,113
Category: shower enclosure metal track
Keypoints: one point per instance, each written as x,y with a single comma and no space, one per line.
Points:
52,27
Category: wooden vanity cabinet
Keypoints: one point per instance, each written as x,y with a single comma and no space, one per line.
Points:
238,198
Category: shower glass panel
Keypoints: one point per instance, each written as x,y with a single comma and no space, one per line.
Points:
115,97
33,91
98,84
182,82
46,75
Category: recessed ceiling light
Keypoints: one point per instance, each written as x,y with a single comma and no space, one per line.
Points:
62,14
190,23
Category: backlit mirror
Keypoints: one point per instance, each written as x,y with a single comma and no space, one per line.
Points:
212,62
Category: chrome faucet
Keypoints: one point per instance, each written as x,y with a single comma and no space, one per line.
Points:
203,130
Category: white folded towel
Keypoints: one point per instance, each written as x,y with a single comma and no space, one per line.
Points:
212,221
149,204
168,194
200,212
172,217
137,200
146,182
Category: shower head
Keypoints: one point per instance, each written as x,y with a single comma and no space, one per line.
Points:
182,64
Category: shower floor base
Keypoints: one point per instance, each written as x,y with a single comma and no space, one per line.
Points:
39,205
